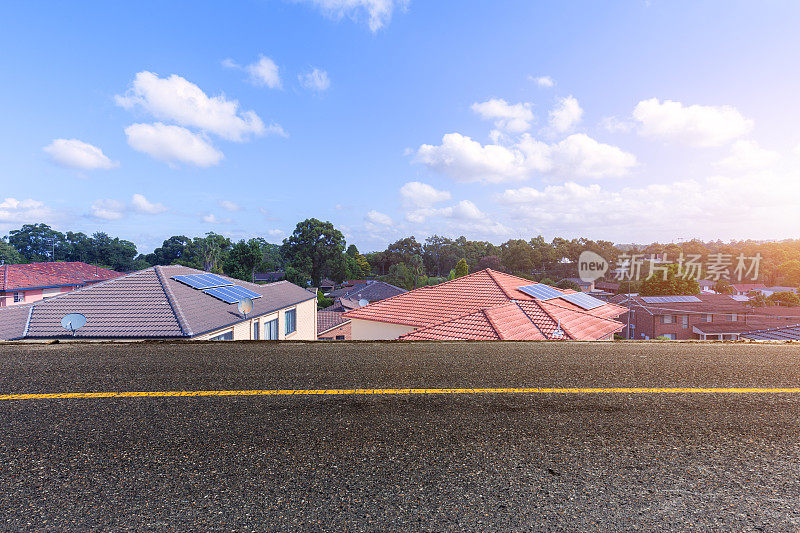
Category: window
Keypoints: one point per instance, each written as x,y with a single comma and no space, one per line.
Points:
19,297
685,321
256,330
668,319
271,330
227,336
708,317
291,321
339,337
733,317
670,336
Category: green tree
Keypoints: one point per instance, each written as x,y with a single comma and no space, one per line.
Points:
789,299
363,266
314,249
170,252
723,286
672,285
242,260
789,272
517,255
35,242
568,284
416,269
8,254
461,269
352,251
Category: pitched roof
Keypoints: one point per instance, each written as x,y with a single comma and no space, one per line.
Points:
532,320
477,300
148,304
709,303
370,291
327,320
39,275
747,287
787,333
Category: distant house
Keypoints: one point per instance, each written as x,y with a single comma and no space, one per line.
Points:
742,289
706,285
769,291
486,305
327,285
607,286
701,316
170,302
355,295
21,284
586,286
268,277
331,325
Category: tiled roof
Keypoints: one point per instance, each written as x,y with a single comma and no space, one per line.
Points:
147,304
329,319
709,303
517,320
372,291
37,275
488,305
747,287
788,333
13,320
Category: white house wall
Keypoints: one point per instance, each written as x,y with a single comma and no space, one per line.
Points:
306,324
370,330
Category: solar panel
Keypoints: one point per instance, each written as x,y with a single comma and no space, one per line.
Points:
231,294
670,299
740,297
541,291
583,300
203,281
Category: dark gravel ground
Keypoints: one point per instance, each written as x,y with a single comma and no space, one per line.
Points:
467,462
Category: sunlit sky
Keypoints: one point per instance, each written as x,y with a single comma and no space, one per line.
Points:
632,122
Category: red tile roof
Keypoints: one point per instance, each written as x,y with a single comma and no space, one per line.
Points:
38,275
475,306
534,320
747,287
327,320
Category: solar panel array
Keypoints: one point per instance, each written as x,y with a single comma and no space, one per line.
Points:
232,293
670,299
541,291
791,333
583,300
740,297
203,281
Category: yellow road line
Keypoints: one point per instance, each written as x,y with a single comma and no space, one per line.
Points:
366,392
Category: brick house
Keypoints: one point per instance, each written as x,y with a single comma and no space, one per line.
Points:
21,284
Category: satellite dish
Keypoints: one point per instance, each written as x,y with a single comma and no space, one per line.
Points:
245,306
362,302
73,322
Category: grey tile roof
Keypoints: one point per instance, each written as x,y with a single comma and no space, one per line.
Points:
372,292
12,321
329,319
145,304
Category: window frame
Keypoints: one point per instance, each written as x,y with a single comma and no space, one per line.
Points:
287,323
19,297
226,336
256,330
267,324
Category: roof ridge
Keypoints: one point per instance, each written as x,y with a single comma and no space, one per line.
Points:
173,302
491,322
492,273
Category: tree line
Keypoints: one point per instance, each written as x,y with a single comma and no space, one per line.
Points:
317,250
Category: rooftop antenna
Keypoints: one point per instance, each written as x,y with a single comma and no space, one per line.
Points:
73,322
245,306
558,332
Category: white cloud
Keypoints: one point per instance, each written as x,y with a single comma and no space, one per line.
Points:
615,125
229,206
378,12
211,218
178,100
513,118
264,72
566,114
542,81
682,209
108,209
72,153
274,232
746,156
695,125
464,210
415,193
143,205
578,155
379,218
23,211
581,155
172,144
316,80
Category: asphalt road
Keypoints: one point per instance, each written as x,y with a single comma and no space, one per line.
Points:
403,462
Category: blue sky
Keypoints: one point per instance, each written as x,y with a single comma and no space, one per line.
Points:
628,121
